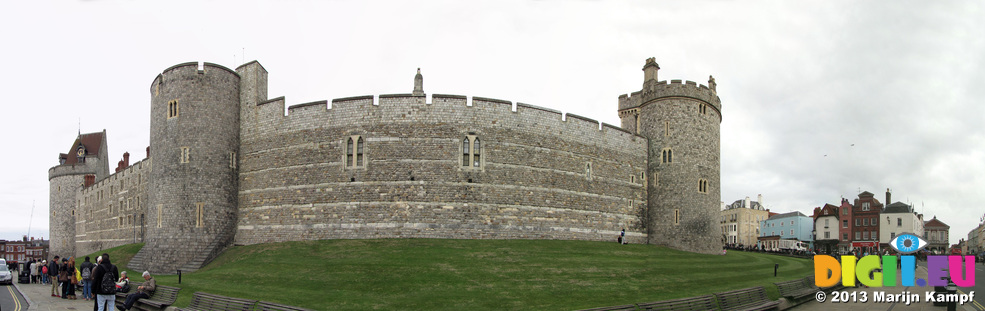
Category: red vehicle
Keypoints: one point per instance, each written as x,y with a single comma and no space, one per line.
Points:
955,251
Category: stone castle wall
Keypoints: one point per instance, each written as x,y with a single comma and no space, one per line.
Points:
540,177
255,174
112,212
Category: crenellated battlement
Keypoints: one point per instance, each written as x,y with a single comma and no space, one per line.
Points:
70,169
367,111
198,67
672,88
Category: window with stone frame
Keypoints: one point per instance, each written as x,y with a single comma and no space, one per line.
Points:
354,152
199,214
588,170
232,160
173,109
472,154
667,155
865,206
185,155
160,207
677,217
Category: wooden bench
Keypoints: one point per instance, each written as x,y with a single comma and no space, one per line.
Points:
270,306
797,290
700,303
160,298
753,298
210,302
613,308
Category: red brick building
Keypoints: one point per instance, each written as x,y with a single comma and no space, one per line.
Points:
865,223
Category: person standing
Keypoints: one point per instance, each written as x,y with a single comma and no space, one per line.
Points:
105,286
63,277
33,268
86,271
622,236
53,276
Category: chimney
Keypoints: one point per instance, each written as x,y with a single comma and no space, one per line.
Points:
89,180
888,196
126,159
650,70
761,200
746,203
119,166
148,152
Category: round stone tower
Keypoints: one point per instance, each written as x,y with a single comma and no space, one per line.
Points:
682,123
194,136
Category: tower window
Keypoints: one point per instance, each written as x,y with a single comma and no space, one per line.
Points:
702,185
471,152
173,109
667,155
703,108
354,152
588,170
199,214
677,217
185,154
159,208
666,128
232,160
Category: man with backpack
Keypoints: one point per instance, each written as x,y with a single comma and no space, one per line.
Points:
104,276
85,269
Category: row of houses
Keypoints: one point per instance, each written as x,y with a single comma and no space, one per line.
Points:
864,225
24,250
975,244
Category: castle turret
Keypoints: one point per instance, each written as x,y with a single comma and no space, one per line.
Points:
682,123
86,159
194,136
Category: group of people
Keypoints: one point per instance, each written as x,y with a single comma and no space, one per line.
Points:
99,282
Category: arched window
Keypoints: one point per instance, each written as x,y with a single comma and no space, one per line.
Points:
466,152
359,151
476,149
471,152
354,152
348,152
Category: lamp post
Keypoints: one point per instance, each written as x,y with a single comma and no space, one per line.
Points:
813,239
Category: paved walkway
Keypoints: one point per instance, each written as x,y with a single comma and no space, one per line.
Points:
39,298
869,293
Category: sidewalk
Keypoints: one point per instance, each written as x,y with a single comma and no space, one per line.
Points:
921,305
39,298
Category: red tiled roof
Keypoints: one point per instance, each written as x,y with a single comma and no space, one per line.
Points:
92,143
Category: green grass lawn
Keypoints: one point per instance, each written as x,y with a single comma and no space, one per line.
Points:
426,274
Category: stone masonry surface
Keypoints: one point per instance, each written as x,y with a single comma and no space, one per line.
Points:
230,167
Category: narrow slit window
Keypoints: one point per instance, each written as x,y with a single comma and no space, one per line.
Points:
159,208
185,154
677,216
232,160
199,214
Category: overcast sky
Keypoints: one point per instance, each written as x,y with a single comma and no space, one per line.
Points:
820,99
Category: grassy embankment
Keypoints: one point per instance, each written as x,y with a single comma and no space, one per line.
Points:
425,274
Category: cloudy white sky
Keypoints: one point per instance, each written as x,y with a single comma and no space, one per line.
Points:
820,99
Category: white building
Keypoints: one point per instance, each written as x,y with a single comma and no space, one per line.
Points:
899,218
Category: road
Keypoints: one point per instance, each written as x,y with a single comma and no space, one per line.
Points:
11,299
979,301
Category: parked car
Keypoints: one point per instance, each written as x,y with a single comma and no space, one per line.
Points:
6,277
